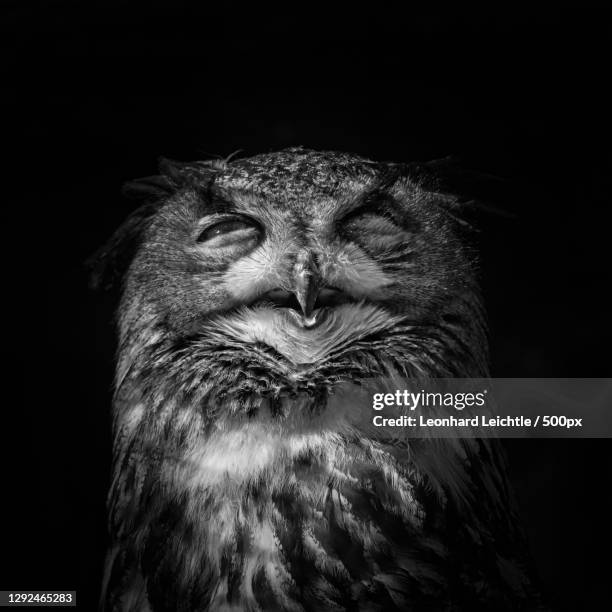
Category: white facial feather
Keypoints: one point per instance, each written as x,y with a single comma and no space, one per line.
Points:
341,325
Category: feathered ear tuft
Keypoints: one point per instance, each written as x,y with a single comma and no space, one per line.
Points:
465,192
172,170
108,264
178,173
172,175
148,188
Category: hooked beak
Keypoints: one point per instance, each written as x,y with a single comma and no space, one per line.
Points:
308,296
307,285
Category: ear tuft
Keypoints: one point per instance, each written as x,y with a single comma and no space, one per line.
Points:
148,188
183,173
466,190
108,264
173,171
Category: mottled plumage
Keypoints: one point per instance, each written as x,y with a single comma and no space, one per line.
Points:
241,480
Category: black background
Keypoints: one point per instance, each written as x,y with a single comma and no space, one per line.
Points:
103,89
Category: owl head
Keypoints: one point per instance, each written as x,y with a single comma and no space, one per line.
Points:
290,271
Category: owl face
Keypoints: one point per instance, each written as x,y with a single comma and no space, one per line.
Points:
299,251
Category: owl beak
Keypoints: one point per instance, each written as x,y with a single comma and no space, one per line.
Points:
307,285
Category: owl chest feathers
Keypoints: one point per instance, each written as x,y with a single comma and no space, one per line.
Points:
259,519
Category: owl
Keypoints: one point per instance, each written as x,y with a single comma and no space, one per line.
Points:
252,289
